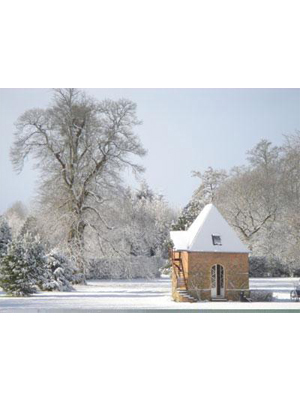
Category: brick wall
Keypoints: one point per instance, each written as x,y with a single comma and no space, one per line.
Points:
198,266
236,273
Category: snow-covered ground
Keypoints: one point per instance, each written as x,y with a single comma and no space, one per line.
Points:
141,295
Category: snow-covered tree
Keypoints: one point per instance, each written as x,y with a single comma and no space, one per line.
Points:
250,197
30,226
23,267
5,236
261,201
264,155
141,221
243,203
16,216
211,180
288,221
188,214
81,146
60,273
148,220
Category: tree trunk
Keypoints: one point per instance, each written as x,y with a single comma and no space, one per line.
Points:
76,248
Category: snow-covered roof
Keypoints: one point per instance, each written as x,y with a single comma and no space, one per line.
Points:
180,238
199,236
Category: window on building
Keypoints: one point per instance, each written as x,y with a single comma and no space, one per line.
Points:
216,239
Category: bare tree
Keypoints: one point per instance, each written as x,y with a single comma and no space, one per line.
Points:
250,197
243,203
80,145
264,155
289,229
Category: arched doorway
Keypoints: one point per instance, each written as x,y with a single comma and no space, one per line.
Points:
217,281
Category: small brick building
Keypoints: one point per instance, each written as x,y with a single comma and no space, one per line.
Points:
209,260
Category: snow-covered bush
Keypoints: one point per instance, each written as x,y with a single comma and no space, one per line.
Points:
129,267
60,273
22,267
261,295
5,236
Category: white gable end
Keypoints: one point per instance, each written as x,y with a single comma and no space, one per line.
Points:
199,236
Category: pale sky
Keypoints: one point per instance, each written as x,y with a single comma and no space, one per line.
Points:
183,130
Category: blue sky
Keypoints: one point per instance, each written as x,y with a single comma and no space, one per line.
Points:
183,130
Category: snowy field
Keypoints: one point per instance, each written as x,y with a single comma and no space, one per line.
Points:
142,295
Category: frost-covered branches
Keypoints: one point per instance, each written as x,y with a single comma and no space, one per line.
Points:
16,216
146,223
80,145
141,222
245,202
261,201
211,180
